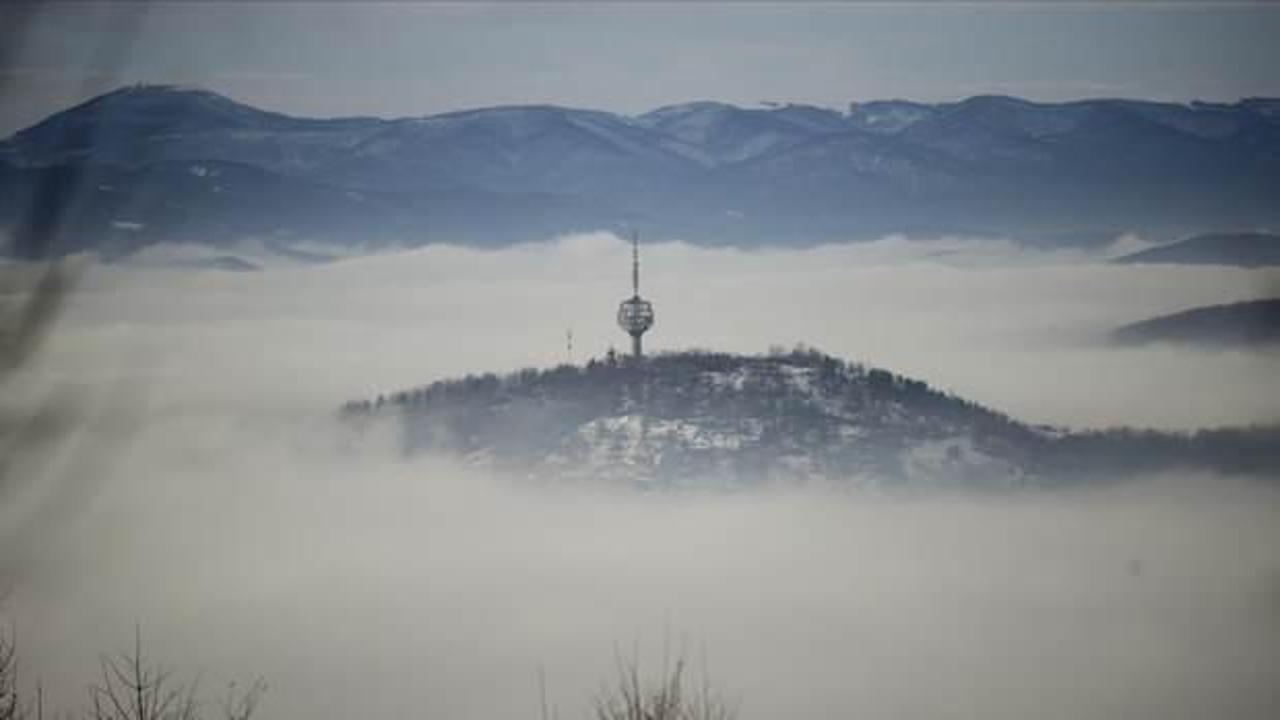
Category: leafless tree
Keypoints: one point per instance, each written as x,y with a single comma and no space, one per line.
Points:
133,688
669,698
238,705
10,704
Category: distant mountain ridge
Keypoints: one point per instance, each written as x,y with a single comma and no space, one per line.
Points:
1236,325
1248,249
709,172
698,419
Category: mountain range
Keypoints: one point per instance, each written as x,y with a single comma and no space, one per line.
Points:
146,164
699,419
1253,323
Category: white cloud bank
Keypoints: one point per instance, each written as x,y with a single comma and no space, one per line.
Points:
1020,331
216,503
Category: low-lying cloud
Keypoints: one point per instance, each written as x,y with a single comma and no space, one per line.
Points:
218,504
1021,331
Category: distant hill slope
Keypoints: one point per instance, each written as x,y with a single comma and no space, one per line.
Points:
114,210
707,172
1245,324
1248,249
699,418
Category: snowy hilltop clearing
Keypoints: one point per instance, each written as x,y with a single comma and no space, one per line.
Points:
701,418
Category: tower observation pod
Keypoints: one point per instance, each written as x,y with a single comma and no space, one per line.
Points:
635,315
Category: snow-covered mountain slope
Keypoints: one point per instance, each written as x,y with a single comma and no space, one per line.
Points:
724,133
888,116
514,149
53,211
704,171
139,125
698,419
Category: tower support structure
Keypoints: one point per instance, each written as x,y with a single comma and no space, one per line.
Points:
635,314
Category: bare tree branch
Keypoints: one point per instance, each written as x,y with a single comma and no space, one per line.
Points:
631,698
133,688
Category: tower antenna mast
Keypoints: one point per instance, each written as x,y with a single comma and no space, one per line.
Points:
635,263
635,315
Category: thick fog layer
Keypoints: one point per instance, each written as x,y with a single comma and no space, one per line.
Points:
207,493
1019,331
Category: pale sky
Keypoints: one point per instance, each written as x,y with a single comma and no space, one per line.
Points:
414,58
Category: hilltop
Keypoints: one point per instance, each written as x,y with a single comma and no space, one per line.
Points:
1246,249
711,419
1245,324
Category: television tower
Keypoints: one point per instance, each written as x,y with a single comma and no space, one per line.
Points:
635,315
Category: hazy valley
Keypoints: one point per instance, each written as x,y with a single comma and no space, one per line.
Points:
444,359
207,484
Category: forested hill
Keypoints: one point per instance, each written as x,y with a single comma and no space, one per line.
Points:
149,164
710,419
1252,324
